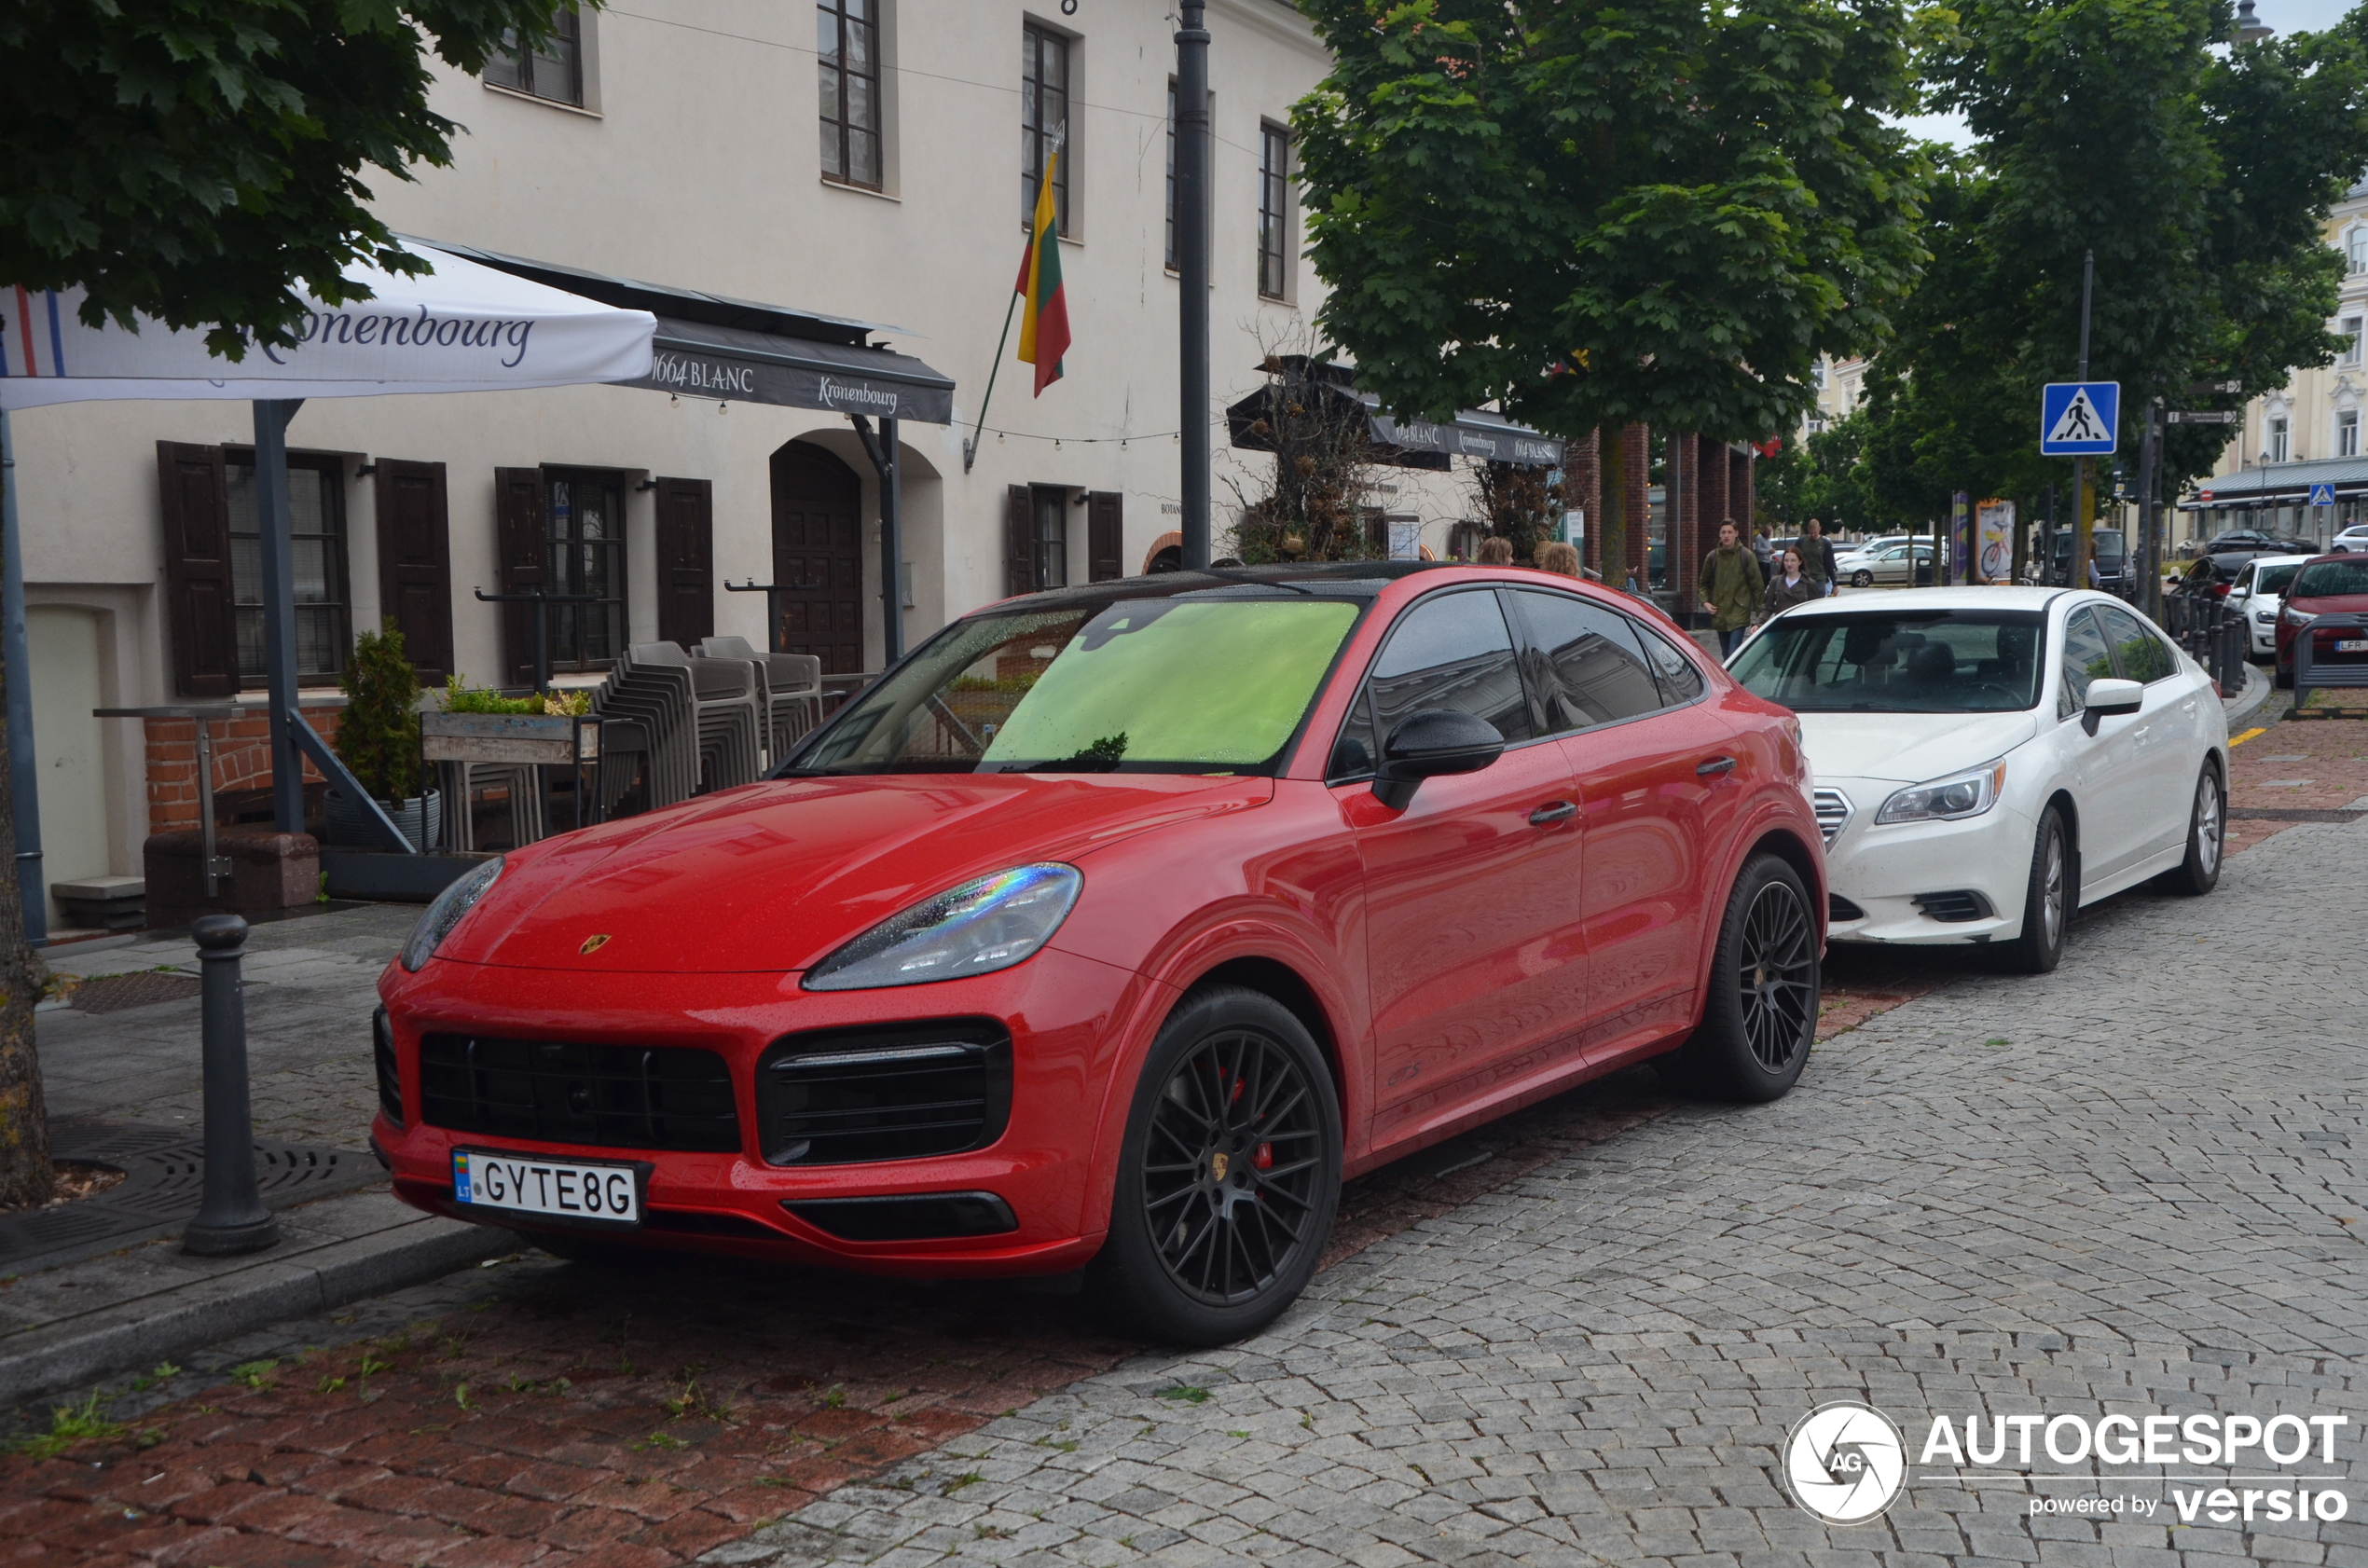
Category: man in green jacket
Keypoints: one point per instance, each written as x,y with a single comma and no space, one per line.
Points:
1730,585
1817,554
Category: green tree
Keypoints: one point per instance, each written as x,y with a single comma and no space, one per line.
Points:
1595,213
197,161
193,159
1819,478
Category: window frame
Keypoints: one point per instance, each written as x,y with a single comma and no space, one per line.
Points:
563,572
1036,39
1275,213
2346,433
1045,554
578,30
837,11
338,573
1527,647
2066,706
2105,613
2279,430
2356,249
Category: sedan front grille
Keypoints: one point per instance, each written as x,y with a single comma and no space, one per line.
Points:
1834,812
602,1096
905,1092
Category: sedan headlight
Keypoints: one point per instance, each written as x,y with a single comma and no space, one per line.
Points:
2298,617
1946,800
445,914
980,927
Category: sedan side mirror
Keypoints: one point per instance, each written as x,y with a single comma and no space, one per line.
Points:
1430,744
2108,698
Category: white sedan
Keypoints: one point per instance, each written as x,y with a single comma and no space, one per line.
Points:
2259,589
1987,760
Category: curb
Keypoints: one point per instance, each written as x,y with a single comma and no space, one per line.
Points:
2244,704
138,1333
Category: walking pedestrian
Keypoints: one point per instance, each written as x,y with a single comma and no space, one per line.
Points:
1497,552
1817,553
1791,586
1559,558
1730,585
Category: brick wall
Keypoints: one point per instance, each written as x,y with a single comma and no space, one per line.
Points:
1636,445
241,760
1582,486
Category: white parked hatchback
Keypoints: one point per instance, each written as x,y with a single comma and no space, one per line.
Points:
1987,760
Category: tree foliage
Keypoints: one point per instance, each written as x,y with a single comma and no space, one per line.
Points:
1822,478
195,160
1595,213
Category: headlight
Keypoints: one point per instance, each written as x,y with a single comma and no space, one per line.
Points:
2298,617
976,929
1964,794
445,914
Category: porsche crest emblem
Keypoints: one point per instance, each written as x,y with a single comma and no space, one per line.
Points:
593,944
1217,1164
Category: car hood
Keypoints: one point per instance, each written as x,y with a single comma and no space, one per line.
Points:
774,876
1909,748
2331,604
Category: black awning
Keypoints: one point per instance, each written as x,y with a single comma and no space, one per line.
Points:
737,350
1398,442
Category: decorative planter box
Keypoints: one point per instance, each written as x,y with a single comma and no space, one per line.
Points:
505,737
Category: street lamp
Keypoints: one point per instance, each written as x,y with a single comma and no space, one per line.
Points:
2249,28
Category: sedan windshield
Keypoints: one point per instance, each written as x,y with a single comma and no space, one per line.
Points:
1959,661
2273,579
1200,682
2331,580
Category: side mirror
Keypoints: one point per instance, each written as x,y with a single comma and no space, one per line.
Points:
1430,744
2108,698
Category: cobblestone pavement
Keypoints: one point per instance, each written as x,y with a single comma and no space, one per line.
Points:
2294,766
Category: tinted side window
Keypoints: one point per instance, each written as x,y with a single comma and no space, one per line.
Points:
2086,657
1680,682
1587,662
1452,651
2138,653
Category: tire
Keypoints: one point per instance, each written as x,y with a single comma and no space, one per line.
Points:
2049,899
1760,1018
1862,579
1207,1244
2206,839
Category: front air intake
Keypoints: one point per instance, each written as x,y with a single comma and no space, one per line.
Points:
390,1076
902,1092
596,1096
1953,907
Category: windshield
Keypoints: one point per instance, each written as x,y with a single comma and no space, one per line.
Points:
1963,661
2273,579
2330,579
1214,683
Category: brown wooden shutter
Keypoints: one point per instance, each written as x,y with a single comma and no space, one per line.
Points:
194,485
1019,541
1105,536
686,560
526,561
414,563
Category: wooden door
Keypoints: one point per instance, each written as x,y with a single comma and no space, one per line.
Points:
686,561
526,561
414,563
1105,536
194,486
818,538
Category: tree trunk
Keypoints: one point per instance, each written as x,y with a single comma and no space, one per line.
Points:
26,1174
1611,450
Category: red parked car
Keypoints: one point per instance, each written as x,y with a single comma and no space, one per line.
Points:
2328,586
1115,926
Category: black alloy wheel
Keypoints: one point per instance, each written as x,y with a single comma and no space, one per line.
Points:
1230,1174
1760,1017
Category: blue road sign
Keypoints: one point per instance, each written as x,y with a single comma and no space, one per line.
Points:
2078,418
2322,495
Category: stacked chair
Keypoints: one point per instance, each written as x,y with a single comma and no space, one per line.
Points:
699,719
789,689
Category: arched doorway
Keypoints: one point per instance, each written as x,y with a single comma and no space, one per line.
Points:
817,538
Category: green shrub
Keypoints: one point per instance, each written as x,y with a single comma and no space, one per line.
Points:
379,737
460,698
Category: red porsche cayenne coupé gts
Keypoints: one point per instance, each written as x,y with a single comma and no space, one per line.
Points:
1114,927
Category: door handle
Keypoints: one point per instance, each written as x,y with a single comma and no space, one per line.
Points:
1716,766
1552,812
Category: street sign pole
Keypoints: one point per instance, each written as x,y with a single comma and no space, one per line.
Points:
2151,598
2084,494
1191,270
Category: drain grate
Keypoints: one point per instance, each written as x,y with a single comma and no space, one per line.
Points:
114,993
164,1177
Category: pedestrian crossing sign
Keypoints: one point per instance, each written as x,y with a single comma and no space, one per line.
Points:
2322,495
2078,418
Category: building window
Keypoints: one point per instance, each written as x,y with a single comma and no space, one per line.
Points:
1052,536
553,69
2355,245
1273,212
2278,439
1044,120
586,509
2347,433
1817,375
849,47
316,532
2349,332
1815,427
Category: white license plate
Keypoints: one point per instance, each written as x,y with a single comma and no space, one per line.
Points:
537,1184
2352,645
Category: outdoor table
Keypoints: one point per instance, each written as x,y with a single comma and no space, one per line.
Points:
460,742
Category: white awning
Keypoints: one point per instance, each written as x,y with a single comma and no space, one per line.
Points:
461,327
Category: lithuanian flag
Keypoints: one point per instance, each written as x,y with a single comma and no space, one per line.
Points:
1044,332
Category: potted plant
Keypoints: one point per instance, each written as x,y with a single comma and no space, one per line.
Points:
379,738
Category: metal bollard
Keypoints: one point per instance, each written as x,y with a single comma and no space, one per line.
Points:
231,1217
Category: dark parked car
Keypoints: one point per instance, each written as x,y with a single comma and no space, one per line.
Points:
2330,585
2112,553
2253,542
